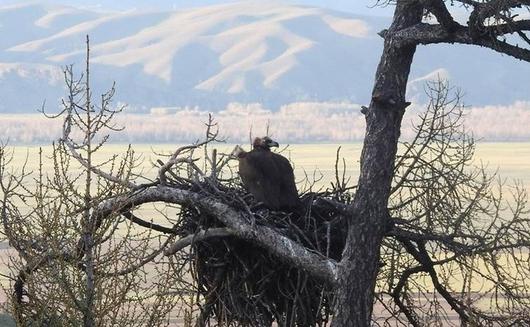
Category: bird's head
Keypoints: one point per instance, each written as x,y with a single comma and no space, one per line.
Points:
265,143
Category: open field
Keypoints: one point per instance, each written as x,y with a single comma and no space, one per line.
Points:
510,160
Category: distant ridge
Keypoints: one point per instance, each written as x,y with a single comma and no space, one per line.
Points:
270,53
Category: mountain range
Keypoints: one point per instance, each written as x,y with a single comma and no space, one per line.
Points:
266,52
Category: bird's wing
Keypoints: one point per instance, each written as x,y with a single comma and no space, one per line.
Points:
261,177
286,180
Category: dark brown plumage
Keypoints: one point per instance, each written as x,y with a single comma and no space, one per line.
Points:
268,176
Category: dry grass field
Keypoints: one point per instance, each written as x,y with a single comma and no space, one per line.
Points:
510,160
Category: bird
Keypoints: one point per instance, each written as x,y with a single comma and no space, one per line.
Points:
268,176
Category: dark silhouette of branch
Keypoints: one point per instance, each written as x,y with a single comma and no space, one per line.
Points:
147,224
421,255
428,34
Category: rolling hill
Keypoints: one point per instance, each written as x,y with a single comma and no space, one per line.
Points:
207,57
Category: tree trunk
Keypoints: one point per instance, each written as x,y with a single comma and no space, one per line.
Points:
359,266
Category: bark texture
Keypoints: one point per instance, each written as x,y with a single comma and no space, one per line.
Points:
357,271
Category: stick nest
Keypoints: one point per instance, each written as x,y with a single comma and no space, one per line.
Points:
243,284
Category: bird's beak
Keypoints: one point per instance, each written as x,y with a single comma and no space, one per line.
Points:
275,144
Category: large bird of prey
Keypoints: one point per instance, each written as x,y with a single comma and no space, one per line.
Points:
268,176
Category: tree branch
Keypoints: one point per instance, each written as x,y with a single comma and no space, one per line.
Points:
448,240
508,28
239,222
140,264
444,17
428,34
197,237
139,221
488,9
421,255
396,295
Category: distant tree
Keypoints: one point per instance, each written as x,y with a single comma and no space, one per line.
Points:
418,230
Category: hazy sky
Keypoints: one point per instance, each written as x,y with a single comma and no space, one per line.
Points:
355,6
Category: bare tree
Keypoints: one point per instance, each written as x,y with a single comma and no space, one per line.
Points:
489,21
412,228
74,268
